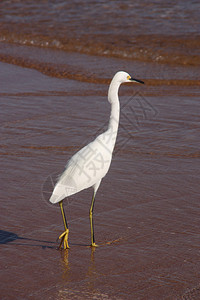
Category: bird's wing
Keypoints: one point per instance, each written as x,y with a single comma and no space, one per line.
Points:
83,170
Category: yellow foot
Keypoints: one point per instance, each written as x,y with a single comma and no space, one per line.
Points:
94,245
64,239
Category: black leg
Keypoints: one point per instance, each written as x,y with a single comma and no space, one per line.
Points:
91,222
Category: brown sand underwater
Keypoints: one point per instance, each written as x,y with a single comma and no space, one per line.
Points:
147,208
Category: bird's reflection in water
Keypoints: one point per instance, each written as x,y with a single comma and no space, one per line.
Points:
91,274
65,264
69,271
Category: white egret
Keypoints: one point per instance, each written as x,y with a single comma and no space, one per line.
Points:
89,165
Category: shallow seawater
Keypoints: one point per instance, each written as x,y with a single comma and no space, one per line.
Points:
147,207
141,31
53,99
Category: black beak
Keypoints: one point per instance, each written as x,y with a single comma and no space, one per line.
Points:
136,80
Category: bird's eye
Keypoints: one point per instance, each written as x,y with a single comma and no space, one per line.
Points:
128,77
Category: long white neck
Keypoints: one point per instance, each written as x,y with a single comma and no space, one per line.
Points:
115,111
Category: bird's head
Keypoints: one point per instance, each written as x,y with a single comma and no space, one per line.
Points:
122,76
119,77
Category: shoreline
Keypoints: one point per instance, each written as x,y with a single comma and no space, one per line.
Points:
74,66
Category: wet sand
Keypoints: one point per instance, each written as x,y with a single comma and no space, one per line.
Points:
147,208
